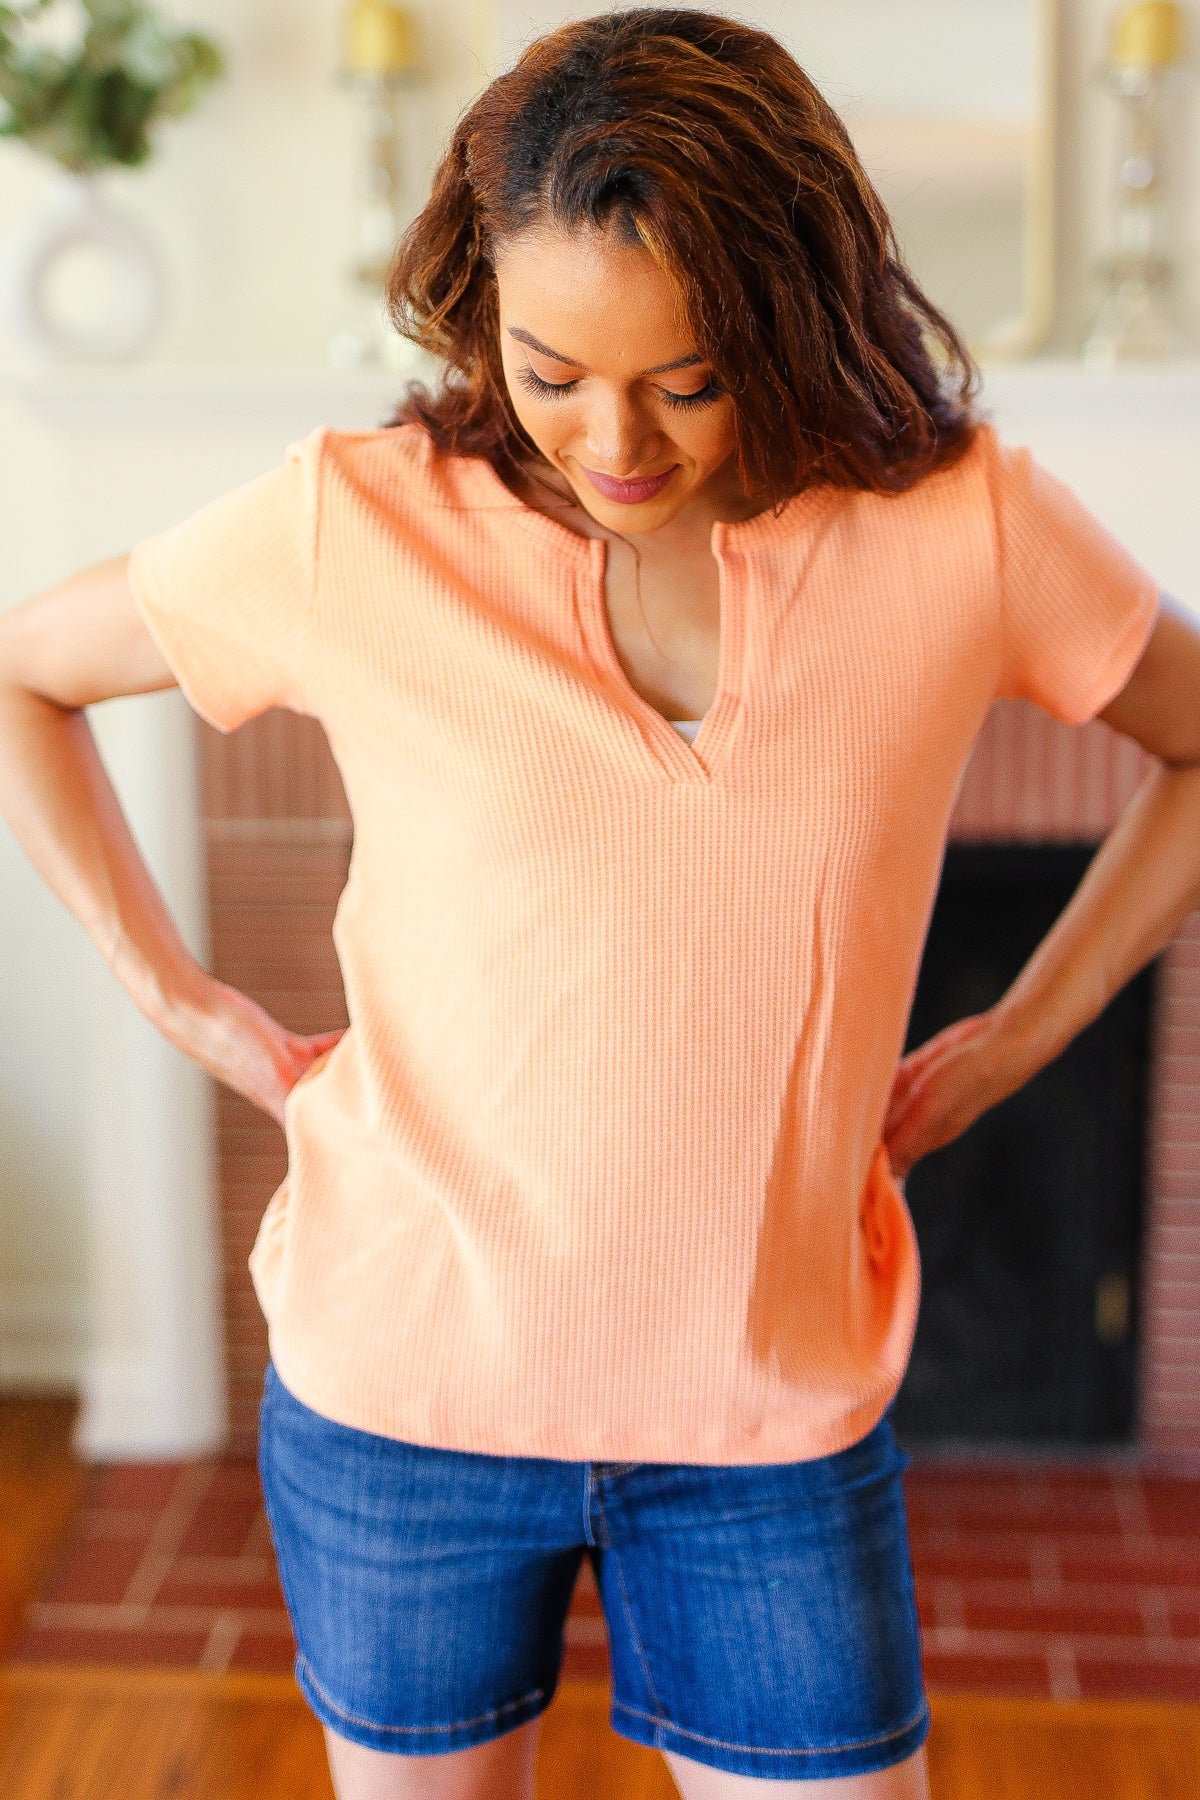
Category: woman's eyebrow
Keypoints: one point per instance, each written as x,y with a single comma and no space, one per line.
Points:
527,337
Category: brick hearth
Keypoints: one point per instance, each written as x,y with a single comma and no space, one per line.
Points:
1057,1580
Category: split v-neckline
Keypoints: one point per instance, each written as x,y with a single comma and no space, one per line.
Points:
732,543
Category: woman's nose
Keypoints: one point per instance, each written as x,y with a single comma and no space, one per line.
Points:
619,437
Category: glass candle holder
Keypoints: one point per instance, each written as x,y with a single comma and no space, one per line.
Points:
1137,318
380,59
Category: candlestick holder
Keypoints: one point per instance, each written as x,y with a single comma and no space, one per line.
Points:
1137,317
380,60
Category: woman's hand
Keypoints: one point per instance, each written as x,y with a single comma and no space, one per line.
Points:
236,1040
942,1086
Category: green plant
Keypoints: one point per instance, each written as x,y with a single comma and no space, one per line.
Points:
85,81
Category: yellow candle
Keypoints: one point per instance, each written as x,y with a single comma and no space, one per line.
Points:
380,39
1148,36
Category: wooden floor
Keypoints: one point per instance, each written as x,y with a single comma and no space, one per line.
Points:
125,1734
41,1482
74,1734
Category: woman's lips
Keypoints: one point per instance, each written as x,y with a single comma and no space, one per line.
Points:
631,492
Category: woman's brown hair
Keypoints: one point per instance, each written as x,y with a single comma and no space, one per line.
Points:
704,140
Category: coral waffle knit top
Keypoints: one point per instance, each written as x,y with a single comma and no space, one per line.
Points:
596,1171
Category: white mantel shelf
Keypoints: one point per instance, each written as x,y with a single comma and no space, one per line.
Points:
1166,392
212,396
1126,439
216,394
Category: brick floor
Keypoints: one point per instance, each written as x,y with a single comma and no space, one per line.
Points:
1068,1582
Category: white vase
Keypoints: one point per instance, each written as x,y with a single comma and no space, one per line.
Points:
109,319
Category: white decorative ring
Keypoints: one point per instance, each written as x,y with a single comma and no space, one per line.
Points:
79,217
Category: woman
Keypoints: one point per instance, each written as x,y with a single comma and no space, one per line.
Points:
651,649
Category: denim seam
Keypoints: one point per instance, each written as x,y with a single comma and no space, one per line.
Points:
759,1750
456,1725
629,1618
263,1458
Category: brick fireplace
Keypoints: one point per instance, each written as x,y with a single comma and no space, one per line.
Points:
278,833
1033,778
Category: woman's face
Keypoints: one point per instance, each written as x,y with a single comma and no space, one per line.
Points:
607,382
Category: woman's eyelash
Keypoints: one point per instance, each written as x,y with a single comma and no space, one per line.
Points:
535,384
546,390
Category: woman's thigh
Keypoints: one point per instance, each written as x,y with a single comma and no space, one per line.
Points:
506,1766
502,1766
907,1780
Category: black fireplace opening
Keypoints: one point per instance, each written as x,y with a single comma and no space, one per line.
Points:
1030,1222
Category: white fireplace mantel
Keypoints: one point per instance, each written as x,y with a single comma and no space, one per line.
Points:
1127,439
131,450
1128,442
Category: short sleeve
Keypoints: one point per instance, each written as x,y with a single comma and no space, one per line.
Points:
228,593
1076,608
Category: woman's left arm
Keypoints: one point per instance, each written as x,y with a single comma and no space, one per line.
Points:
1137,890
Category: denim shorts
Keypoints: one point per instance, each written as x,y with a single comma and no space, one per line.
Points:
761,1617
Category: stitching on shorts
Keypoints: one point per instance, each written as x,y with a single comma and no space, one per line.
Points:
629,1618
759,1750
353,1718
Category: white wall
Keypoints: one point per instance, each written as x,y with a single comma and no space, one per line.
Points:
249,197
249,194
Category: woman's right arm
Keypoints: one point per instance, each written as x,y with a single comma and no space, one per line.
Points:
70,646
